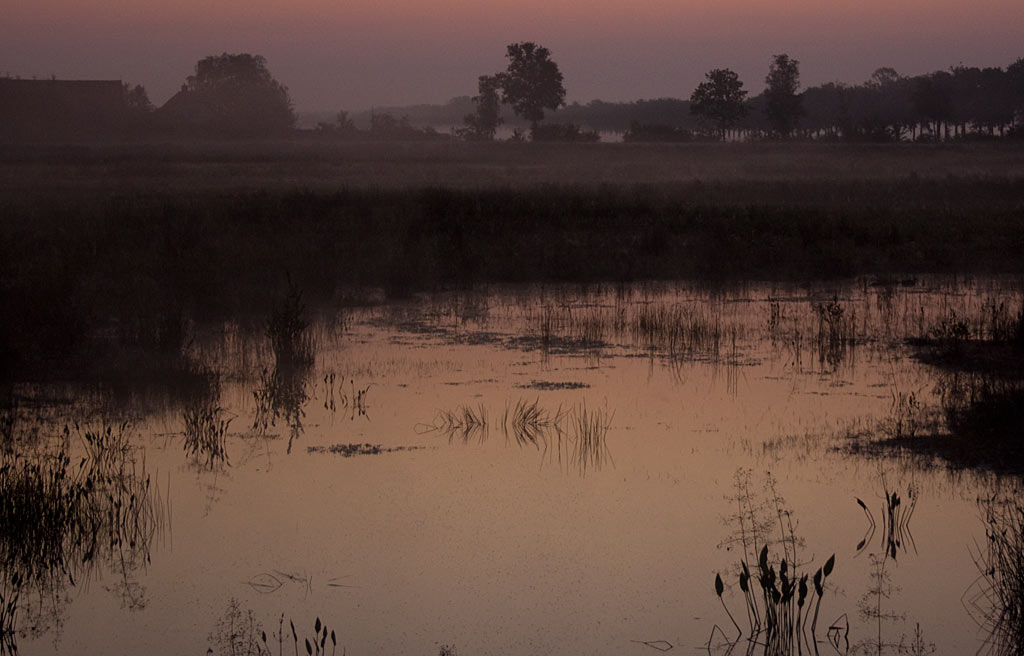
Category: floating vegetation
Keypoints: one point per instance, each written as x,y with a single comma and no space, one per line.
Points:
349,450
548,385
776,596
996,600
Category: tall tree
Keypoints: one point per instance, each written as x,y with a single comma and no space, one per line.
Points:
532,82
933,101
719,99
483,123
782,103
244,96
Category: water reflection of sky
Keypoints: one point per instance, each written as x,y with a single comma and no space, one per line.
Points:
353,487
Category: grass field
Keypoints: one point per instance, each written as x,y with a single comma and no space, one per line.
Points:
114,244
322,165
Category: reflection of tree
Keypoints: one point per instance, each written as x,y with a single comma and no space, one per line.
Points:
63,525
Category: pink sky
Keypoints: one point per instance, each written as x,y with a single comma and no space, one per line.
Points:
352,54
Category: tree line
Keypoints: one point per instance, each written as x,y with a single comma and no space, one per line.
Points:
236,95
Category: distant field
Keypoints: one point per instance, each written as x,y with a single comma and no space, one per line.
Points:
325,166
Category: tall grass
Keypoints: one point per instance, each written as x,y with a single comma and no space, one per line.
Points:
1000,562
88,268
65,523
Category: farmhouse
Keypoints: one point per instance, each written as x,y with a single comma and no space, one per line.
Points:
43,109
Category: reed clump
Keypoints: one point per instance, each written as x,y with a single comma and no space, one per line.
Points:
239,633
65,520
288,331
206,429
779,598
1000,563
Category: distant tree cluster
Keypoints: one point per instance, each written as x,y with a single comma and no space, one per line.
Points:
962,103
531,84
235,95
240,95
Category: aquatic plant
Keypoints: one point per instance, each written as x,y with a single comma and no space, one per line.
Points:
63,522
777,598
835,331
206,431
998,607
10,591
239,633
288,331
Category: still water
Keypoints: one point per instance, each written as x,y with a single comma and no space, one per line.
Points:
514,470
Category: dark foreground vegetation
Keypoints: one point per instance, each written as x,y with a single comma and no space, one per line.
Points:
111,249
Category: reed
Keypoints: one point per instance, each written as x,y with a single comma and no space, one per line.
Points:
66,523
206,431
1000,563
288,331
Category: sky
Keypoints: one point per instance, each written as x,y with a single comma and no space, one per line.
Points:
356,54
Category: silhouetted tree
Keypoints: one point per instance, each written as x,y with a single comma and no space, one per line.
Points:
532,82
136,99
1015,91
243,95
483,123
719,99
933,102
782,103
343,127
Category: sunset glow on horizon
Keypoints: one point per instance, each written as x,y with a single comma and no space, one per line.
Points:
395,52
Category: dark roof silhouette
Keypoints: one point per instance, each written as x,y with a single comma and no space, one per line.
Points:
40,109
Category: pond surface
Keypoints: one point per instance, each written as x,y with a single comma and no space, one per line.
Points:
549,470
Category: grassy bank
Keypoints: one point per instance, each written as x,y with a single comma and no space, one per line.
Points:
115,247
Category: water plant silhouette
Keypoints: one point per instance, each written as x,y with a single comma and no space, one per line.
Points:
65,523
776,596
996,599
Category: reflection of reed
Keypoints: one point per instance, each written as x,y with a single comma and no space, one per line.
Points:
895,516
64,523
283,391
576,438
